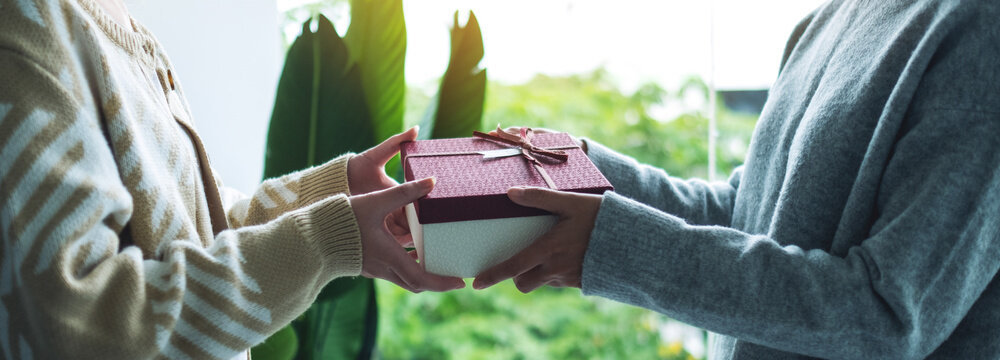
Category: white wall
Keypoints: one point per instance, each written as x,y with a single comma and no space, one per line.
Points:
228,57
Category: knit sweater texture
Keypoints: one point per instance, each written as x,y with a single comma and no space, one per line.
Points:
865,222
117,240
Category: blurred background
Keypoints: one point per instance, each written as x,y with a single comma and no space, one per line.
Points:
676,84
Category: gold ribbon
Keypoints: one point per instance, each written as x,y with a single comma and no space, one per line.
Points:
521,140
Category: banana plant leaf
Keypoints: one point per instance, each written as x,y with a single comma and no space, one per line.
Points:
319,109
319,113
340,329
458,107
376,42
282,345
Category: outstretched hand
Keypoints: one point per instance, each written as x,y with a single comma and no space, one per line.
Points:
555,258
366,173
382,256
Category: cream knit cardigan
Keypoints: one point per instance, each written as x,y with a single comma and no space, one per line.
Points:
114,243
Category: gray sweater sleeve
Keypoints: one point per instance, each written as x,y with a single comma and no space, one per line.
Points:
695,200
932,249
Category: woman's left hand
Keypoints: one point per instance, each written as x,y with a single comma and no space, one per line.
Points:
366,173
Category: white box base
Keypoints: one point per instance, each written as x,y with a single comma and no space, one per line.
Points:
466,248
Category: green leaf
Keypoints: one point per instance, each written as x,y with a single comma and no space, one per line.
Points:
281,346
377,44
320,113
319,110
340,328
458,108
337,288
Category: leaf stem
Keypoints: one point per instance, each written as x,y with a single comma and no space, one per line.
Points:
314,102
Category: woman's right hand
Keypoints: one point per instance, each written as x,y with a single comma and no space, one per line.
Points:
382,256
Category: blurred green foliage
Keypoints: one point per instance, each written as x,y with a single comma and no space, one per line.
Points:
656,126
665,128
502,323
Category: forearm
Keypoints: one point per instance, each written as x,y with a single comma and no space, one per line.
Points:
808,302
696,201
277,196
85,272
203,302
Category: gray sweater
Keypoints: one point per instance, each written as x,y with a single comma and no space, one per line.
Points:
865,221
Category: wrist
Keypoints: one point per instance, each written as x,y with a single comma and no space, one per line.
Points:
320,182
351,169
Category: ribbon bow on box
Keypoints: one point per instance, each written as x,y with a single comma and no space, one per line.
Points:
522,146
523,141
528,151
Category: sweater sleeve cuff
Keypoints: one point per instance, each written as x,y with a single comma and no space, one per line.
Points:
330,226
324,180
619,244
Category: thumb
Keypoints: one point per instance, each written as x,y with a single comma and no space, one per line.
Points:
397,196
384,151
541,198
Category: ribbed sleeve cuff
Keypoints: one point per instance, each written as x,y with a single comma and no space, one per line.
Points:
323,181
331,227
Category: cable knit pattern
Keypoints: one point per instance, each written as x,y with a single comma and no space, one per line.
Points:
114,244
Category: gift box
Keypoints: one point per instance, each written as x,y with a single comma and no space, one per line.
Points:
467,223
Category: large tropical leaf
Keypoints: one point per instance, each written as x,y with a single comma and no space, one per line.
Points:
320,113
319,110
376,42
340,329
281,346
458,108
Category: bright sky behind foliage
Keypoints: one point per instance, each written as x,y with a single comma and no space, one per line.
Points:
636,40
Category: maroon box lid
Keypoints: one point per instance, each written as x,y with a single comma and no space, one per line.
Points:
470,187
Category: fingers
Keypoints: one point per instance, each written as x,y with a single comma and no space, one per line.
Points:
518,264
397,223
393,278
416,278
419,279
400,228
388,200
405,241
546,199
381,153
531,280
557,256
392,263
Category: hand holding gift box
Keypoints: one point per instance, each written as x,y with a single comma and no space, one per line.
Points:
467,223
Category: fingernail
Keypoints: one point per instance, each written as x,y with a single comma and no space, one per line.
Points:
515,192
416,129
